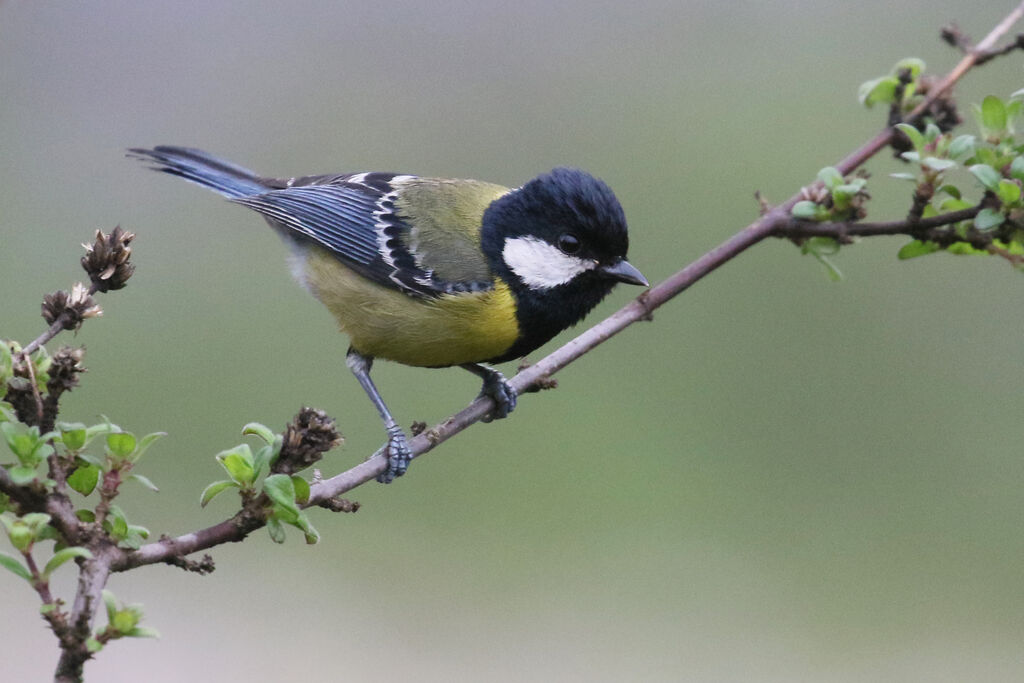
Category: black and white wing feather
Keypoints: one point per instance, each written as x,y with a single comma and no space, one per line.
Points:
354,217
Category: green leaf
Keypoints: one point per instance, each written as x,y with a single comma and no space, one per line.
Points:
22,440
904,176
913,157
931,132
72,435
111,604
937,164
962,145
311,534
48,607
877,90
22,475
36,521
126,619
107,427
915,64
21,536
84,479
85,515
951,190
1017,168
117,522
831,177
135,536
213,489
145,442
121,444
90,460
281,490
276,529
915,249
62,556
988,219
952,204
1008,191
806,210
145,481
93,645
993,115
143,632
238,463
913,134
257,429
963,249
301,489
986,175
11,564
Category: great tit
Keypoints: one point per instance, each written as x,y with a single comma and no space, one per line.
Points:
435,272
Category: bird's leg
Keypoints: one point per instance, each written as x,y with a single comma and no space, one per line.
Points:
497,388
398,452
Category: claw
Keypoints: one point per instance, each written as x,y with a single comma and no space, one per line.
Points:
399,455
497,388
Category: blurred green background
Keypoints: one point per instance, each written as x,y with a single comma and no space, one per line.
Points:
779,479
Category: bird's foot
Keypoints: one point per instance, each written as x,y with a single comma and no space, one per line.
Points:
398,453
497,388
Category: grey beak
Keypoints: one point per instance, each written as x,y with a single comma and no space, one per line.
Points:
623,271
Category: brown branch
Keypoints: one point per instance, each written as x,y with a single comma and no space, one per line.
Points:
797,229
774,221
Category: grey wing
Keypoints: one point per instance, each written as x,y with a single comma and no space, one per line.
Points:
353,217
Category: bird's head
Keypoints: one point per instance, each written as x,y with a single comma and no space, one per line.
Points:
563,229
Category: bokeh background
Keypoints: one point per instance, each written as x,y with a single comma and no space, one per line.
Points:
779,479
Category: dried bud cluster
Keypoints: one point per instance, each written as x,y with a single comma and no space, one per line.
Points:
65,366
306,438
71,308
106,260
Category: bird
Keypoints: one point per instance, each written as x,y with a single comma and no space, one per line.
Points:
434,272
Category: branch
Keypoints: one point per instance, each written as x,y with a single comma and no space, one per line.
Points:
922,228
775,222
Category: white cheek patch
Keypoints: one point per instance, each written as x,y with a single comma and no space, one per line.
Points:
541,265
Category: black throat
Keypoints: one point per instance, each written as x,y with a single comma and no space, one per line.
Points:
543,313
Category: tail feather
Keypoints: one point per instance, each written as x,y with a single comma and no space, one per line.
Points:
203,169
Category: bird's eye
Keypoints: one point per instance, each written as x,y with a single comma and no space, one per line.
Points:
569,243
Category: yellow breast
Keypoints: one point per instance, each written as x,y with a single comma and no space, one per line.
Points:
447,330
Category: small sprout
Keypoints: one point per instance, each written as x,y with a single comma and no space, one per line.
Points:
120,445
213,489
72,435
17,568
238,463
917,248
145,481
821,248
809,211
914,135
62,556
